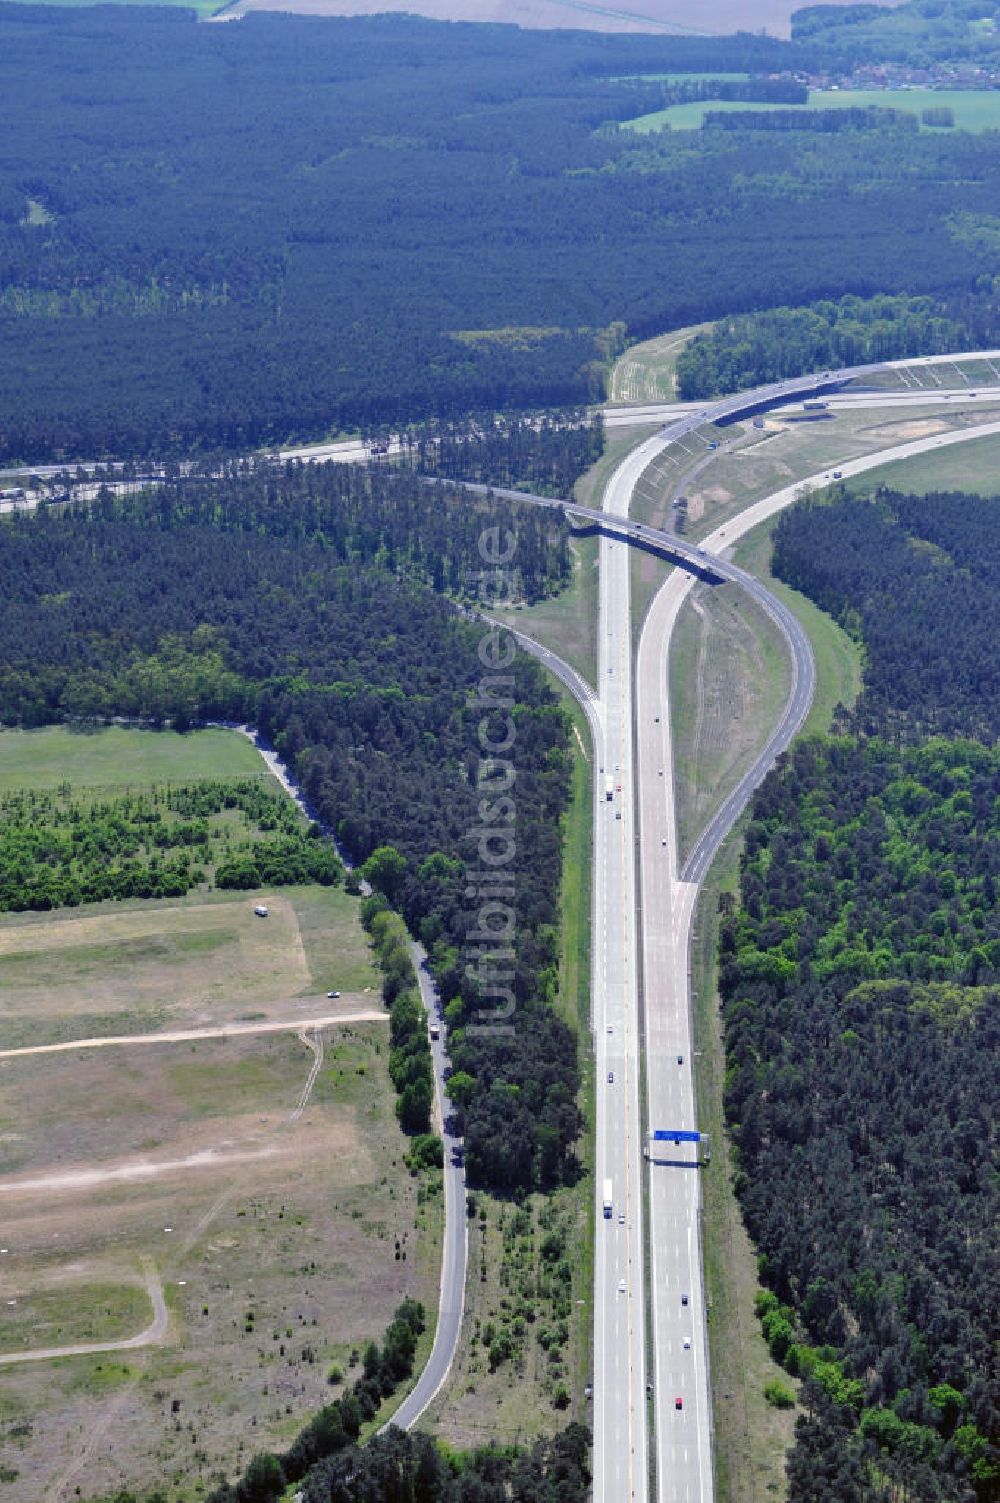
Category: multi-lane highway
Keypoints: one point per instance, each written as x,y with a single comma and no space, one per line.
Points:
641,928
620,1456
678,1373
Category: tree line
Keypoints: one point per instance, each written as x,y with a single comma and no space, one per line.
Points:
755,348
825,122
59,850
410,1067
896,570
369,686
860,985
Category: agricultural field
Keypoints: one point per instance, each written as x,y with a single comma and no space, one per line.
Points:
973,109
225,1216
660,17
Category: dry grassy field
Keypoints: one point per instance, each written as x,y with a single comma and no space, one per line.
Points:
252,1185
207,960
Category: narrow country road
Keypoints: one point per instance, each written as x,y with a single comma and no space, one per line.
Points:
455,1241
454,1257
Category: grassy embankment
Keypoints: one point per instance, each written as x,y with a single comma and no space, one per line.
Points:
647,372
283,1239
972,467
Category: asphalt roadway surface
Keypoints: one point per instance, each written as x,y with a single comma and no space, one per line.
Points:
642,811
454,1257
679,1369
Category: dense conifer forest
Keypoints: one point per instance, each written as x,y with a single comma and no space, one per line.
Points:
546,453
229,236
298,597
860,984
917,579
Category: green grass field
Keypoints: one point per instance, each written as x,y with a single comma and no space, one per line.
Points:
77,1313
117,757
729,677
567,624
838,657
973,467
974,109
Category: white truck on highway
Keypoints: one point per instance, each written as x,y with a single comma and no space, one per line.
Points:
607,1200
609,789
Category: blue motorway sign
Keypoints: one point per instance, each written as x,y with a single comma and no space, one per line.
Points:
663,1135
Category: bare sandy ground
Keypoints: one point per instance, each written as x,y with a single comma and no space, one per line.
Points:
185,1035
663,17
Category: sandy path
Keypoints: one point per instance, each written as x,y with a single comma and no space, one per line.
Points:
221,1031
154,1332
132,1172
316,1045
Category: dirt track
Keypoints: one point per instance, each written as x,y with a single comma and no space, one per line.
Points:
154,1332
186,1035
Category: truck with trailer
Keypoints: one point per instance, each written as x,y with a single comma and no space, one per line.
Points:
607,1200
609,789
